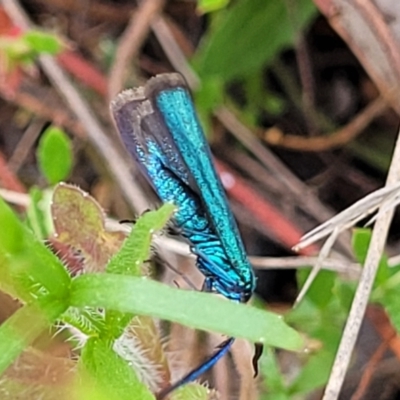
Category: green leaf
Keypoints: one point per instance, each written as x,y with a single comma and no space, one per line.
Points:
133,253
314,374
42,42
136,248
55,155
391,303
258,97
24,326
387,294
208,98
12,232
205,6
306,316
28,266
274,383
320,291
345,294
360,242
250,36
109,374
321,323
191,391
274,104
195,309
373,150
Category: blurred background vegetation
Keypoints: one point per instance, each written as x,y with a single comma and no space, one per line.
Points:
299,100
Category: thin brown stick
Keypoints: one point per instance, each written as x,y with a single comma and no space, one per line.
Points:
175,55
304,67
369,371
25,145
276,137
384,327
131,42
307,83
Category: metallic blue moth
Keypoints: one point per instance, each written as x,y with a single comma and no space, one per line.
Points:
160,129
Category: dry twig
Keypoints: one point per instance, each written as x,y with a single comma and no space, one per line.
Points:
369,371
276,137
363,291
25,145
131,42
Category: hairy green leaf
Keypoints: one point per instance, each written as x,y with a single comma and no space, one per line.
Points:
195,309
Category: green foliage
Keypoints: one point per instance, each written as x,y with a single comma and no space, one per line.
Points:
314,374
244,39
208,97
25,48
321,292
28,269
374,149
110,374
109,309
321,316
42,42
248,37
386,286
205,6
273,377
258,97
191,391
55,155
195,309
135,249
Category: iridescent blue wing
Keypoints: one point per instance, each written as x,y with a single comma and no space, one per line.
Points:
159,127
141,128
172,100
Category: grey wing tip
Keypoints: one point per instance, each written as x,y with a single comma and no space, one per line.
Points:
165,81
157,83
126,97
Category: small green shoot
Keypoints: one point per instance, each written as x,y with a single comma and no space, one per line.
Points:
25,48
55,155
